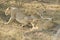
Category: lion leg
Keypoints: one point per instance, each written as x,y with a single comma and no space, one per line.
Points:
10,20
34,25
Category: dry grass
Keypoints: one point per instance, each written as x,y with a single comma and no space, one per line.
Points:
14,31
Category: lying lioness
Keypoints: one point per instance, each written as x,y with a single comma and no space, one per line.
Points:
20,16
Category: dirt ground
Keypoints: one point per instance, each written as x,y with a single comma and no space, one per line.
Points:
14,30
